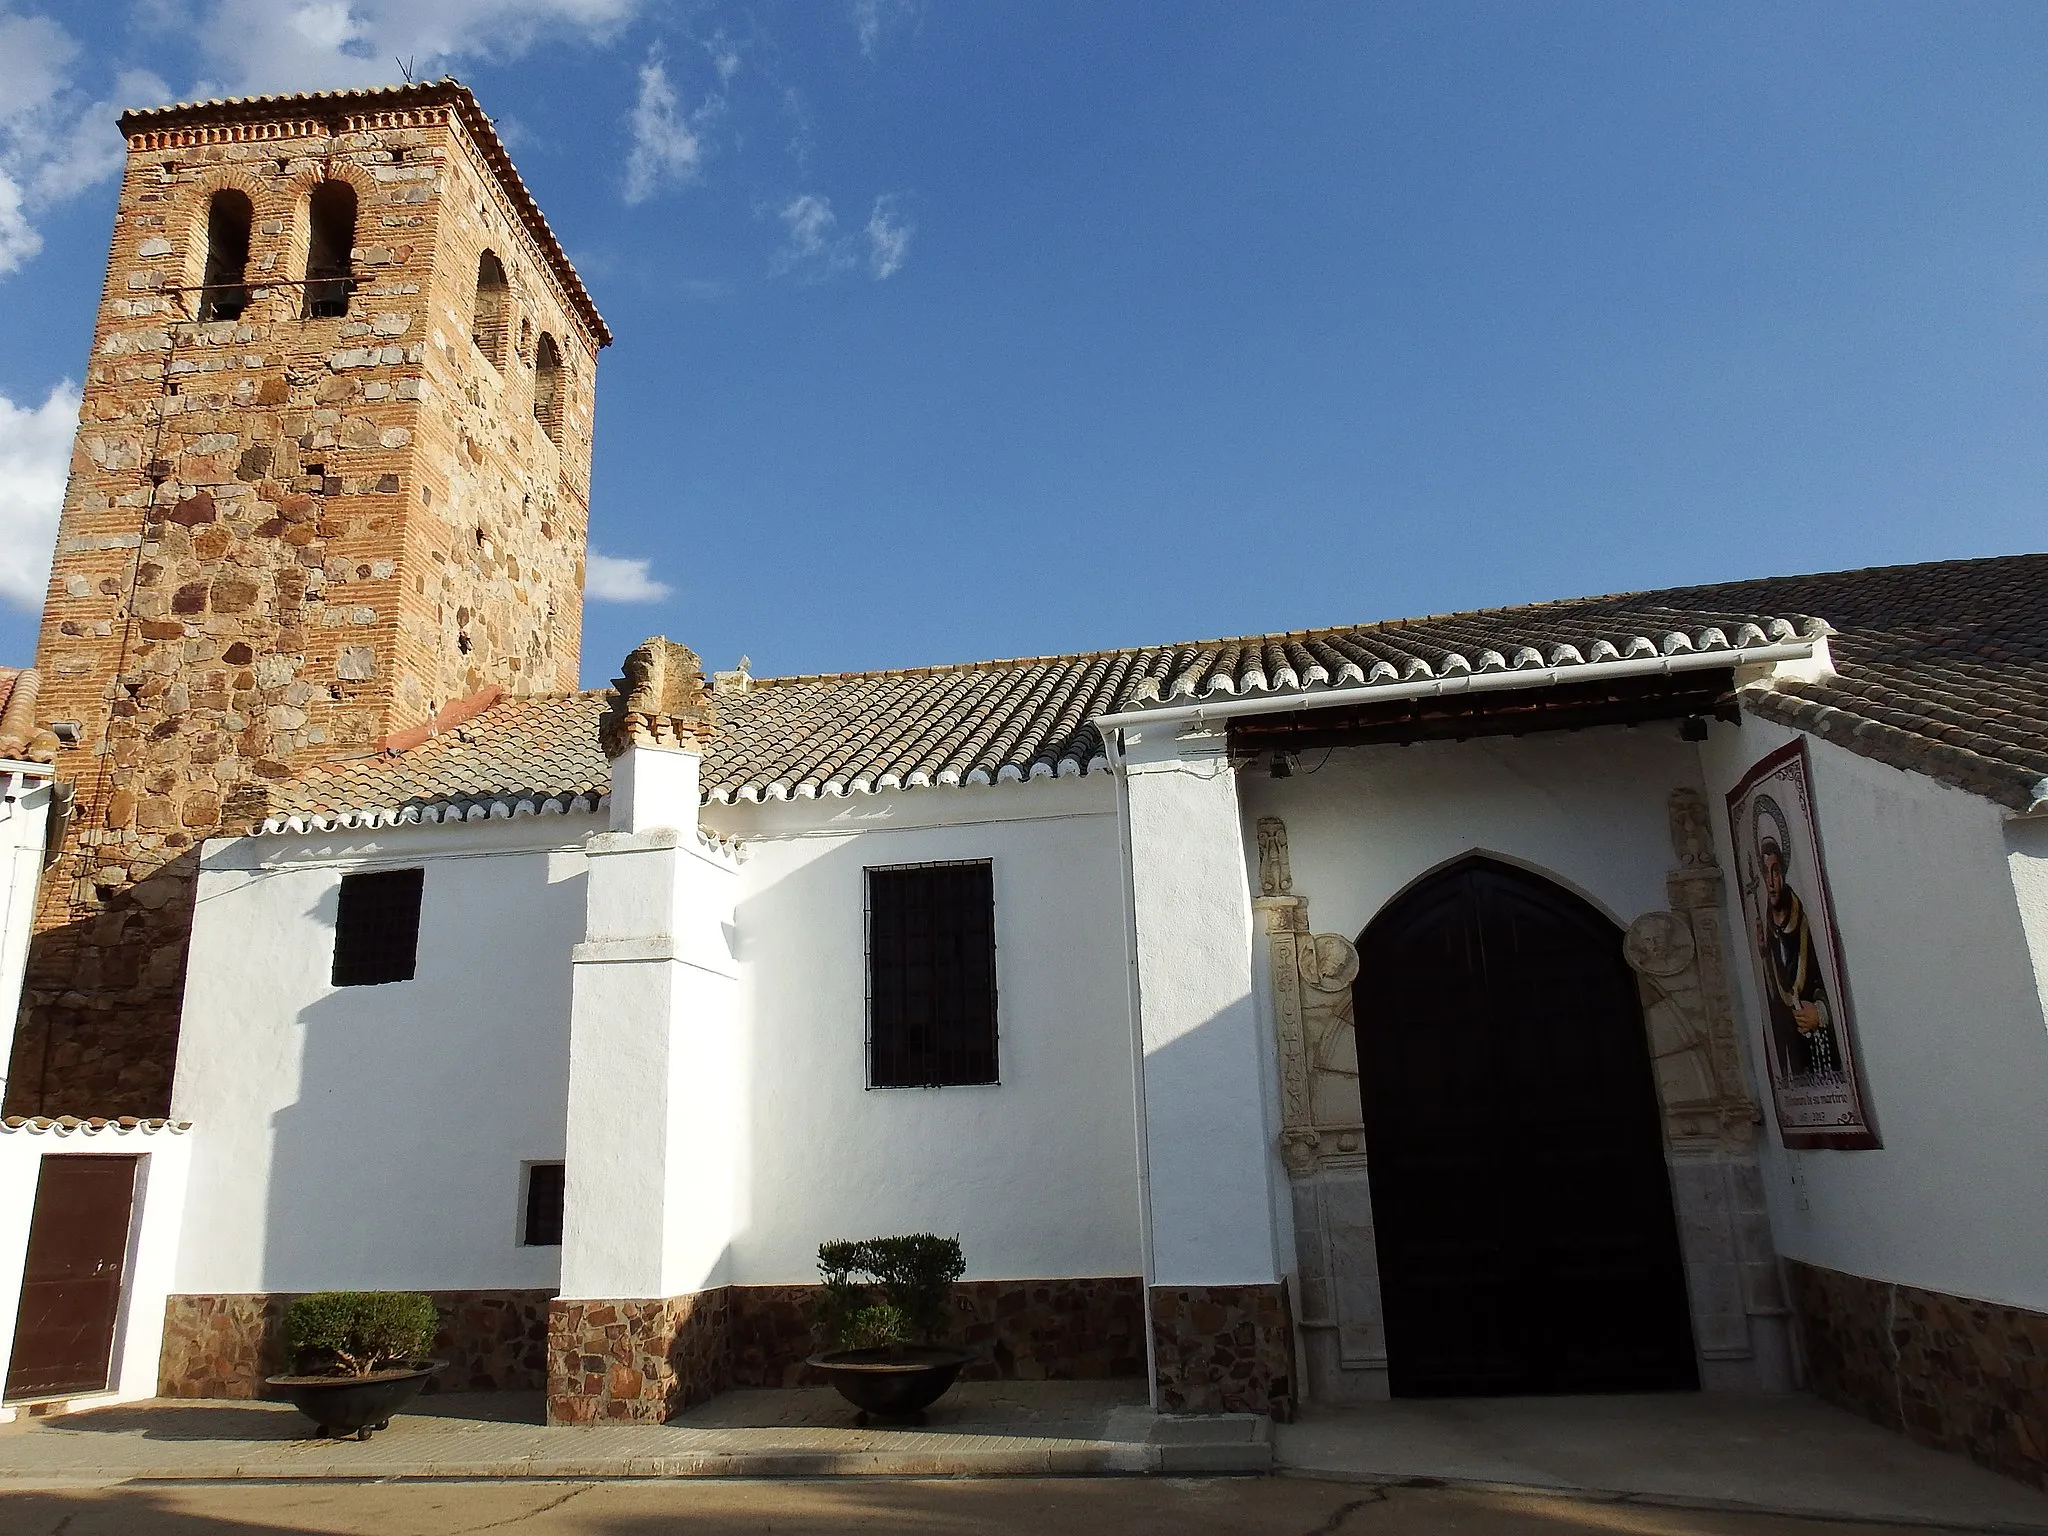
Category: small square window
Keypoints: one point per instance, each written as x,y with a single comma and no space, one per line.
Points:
931,975
543,1225
377,927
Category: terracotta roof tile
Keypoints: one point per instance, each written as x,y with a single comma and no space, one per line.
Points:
22,738
533,756
1944,670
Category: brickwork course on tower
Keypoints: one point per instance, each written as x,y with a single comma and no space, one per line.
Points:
331,477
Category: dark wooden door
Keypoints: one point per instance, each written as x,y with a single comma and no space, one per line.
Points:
71,1285
1522,1207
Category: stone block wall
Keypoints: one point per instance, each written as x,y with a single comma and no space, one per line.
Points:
646,1360
1021,1330
639,1362
1223,1349
284,536
1960,1375
224,1346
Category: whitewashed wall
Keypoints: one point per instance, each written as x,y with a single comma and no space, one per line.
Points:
24,832
373,1136
657,1099
1037,1175
1217,1211
153,1235
1928,884
1585,808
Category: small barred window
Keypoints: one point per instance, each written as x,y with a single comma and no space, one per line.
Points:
931,975
377,927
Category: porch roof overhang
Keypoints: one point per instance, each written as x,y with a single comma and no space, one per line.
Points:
1567,706
1616,685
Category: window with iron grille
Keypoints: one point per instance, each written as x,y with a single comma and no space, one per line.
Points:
377,927
931,975
543,1225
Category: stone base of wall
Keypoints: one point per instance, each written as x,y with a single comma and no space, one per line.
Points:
1088,1329
1223,1349
1959,1375
224,1346
635,1362
645,1360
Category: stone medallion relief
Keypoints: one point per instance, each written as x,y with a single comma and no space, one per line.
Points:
1679,957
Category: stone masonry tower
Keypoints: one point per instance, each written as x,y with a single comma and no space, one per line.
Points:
331,476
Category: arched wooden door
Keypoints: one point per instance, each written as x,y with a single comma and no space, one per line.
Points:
1520,1198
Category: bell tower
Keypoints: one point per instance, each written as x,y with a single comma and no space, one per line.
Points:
332,474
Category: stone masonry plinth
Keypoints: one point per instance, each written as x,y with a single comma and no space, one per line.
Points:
224,1346
1959,1375
645,1360
1223,1349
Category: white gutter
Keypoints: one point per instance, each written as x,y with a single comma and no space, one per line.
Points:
1231,707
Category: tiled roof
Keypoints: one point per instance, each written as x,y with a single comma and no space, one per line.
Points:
982,723
67,1125
1002,721
1944,670
447,91
520,757
21,737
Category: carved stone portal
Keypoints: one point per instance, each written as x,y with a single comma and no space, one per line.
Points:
1680,960
1323,1138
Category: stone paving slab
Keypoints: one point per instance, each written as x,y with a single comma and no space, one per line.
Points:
980,1429
1784,1452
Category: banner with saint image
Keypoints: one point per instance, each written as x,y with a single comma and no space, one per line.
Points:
1796,956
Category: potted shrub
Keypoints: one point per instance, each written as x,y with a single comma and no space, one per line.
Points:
885,1314
360,1356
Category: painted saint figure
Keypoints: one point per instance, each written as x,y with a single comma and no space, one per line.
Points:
1802,1019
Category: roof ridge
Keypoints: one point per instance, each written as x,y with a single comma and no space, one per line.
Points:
1265,637
1377,625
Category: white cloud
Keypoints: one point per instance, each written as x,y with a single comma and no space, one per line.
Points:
19,241
873,17
35,64
54,142
35,455
608,579
667,149
89,148
725,55
815,247
813,235
302,45
888,238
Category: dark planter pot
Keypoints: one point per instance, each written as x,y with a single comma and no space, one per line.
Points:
354,1405
891,1384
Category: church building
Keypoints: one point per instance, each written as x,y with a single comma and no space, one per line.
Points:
1629,993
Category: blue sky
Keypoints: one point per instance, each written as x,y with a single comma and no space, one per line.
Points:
952,330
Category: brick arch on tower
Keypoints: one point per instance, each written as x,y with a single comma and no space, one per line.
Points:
186,219
297,191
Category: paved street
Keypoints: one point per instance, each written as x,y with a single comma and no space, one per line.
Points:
1267,1506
